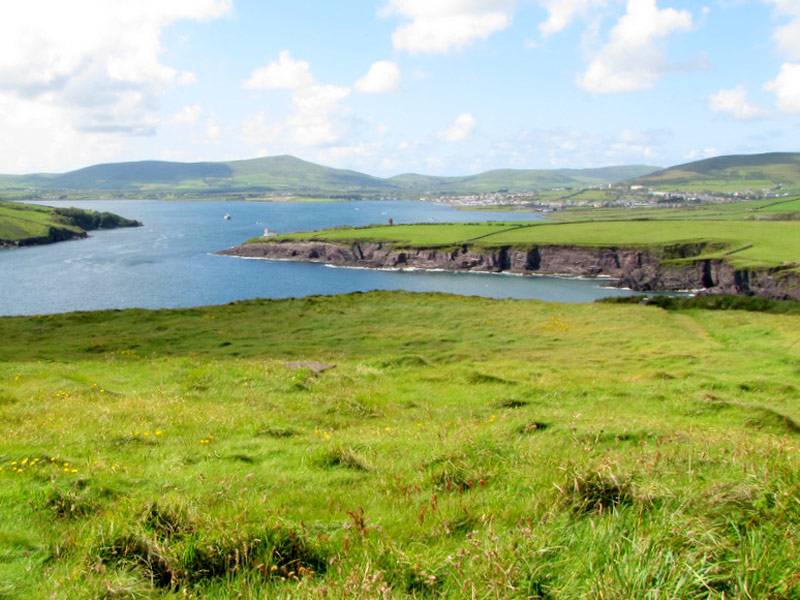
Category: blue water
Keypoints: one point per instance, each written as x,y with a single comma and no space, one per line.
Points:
169,263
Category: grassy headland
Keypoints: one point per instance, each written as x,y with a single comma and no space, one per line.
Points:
27,224
729,232
461,447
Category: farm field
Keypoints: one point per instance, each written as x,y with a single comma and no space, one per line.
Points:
769,209
460,447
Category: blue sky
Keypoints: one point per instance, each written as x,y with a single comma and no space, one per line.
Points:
445,87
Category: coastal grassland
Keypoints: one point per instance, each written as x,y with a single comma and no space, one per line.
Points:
25,224
772,208
744,243
432,235
461,447
23,221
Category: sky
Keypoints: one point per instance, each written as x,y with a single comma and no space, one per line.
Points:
440,87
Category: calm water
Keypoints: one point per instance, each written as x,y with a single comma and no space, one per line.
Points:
169,262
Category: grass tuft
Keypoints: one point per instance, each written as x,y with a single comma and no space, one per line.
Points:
345,456
599,491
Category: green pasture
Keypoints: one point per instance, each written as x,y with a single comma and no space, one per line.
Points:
459,448
405,235
743,242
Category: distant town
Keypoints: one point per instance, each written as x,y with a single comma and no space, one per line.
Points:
603,196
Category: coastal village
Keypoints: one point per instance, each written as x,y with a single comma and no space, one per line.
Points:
601,196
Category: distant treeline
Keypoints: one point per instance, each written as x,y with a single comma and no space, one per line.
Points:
89,220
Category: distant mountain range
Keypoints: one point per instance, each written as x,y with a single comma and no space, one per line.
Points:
289,175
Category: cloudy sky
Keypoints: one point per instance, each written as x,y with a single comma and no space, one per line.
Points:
440,87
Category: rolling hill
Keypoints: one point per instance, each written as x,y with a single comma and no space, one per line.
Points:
290,175
729,173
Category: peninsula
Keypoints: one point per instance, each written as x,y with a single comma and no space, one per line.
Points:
748,248
31,225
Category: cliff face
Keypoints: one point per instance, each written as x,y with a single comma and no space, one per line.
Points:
636,268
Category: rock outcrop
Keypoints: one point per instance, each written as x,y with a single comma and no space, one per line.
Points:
644,269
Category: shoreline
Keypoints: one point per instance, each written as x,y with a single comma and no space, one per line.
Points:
638,269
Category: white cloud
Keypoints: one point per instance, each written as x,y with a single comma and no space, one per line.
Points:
286,74
699,154
44,139
259,131
317,119
631,60
460,129
187,78
383,77
443,25
81,75
562,12
787,36
634,143
787,88
213,129
361,156
734,103
188,115
91,54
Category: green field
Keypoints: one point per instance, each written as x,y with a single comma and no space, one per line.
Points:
460,448
734,211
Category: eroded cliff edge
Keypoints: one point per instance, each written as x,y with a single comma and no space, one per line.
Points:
645,269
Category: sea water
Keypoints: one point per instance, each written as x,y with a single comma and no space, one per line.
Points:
170,261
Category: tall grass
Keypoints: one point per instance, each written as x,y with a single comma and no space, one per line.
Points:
460,448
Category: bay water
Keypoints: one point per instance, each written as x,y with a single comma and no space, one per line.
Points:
170,261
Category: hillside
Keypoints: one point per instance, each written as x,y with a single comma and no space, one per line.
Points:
520,180
398,445
290,175
729,173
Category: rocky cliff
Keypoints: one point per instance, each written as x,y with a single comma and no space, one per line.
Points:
666,268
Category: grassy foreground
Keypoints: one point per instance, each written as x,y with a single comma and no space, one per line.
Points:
460,448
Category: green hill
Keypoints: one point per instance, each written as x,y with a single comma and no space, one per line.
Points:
520,180
730,173
290,175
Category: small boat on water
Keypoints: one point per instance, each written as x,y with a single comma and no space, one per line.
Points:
227,217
